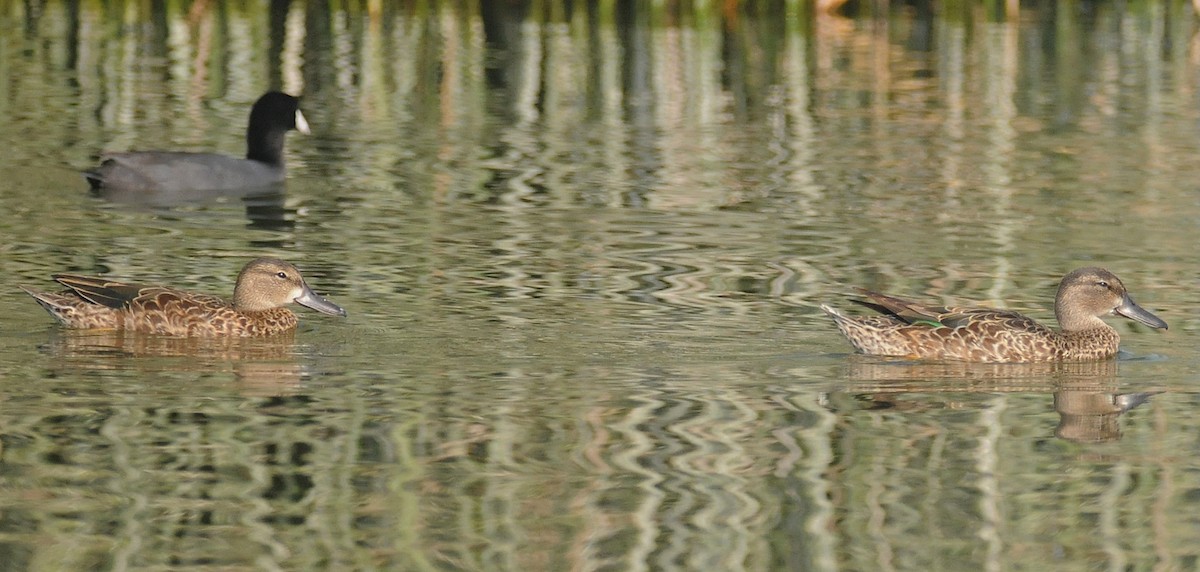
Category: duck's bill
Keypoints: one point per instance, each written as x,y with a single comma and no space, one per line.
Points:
310,299
1136,313
301,123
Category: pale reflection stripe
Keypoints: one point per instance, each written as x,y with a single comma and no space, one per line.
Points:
811,456
292,58
644,515
727,513
990,499
1111,529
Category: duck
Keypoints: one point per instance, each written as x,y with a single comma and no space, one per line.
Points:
907,329
264,289
271,117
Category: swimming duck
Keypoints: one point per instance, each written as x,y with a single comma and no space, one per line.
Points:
911,330
264,288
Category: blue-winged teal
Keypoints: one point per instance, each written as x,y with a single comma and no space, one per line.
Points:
264,287
907,329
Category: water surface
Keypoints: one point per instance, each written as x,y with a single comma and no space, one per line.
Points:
582,247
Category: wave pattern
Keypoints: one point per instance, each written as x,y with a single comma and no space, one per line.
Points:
582,245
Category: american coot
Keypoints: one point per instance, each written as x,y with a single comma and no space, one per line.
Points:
272,116
264,287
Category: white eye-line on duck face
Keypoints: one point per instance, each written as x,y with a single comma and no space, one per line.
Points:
301,123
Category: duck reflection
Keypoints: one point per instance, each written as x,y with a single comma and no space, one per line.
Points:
1089,416
1085,394
262,366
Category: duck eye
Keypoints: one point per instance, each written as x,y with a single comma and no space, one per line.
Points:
1102,284
281,274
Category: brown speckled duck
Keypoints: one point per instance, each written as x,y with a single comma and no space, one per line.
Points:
911,330
264,288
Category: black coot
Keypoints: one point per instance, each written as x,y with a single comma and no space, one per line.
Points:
272,116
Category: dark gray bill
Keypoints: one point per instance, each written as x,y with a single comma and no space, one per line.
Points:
1131,310
309,299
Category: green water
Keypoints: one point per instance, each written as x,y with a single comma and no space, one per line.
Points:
582,248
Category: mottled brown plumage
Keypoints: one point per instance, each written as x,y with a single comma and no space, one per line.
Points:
908,329
264,287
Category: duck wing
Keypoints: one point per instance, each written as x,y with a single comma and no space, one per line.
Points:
99,291
915,314
141,299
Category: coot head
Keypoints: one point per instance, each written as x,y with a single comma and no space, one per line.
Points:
273,115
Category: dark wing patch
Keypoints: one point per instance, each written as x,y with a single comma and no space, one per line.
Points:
115,295
906,310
